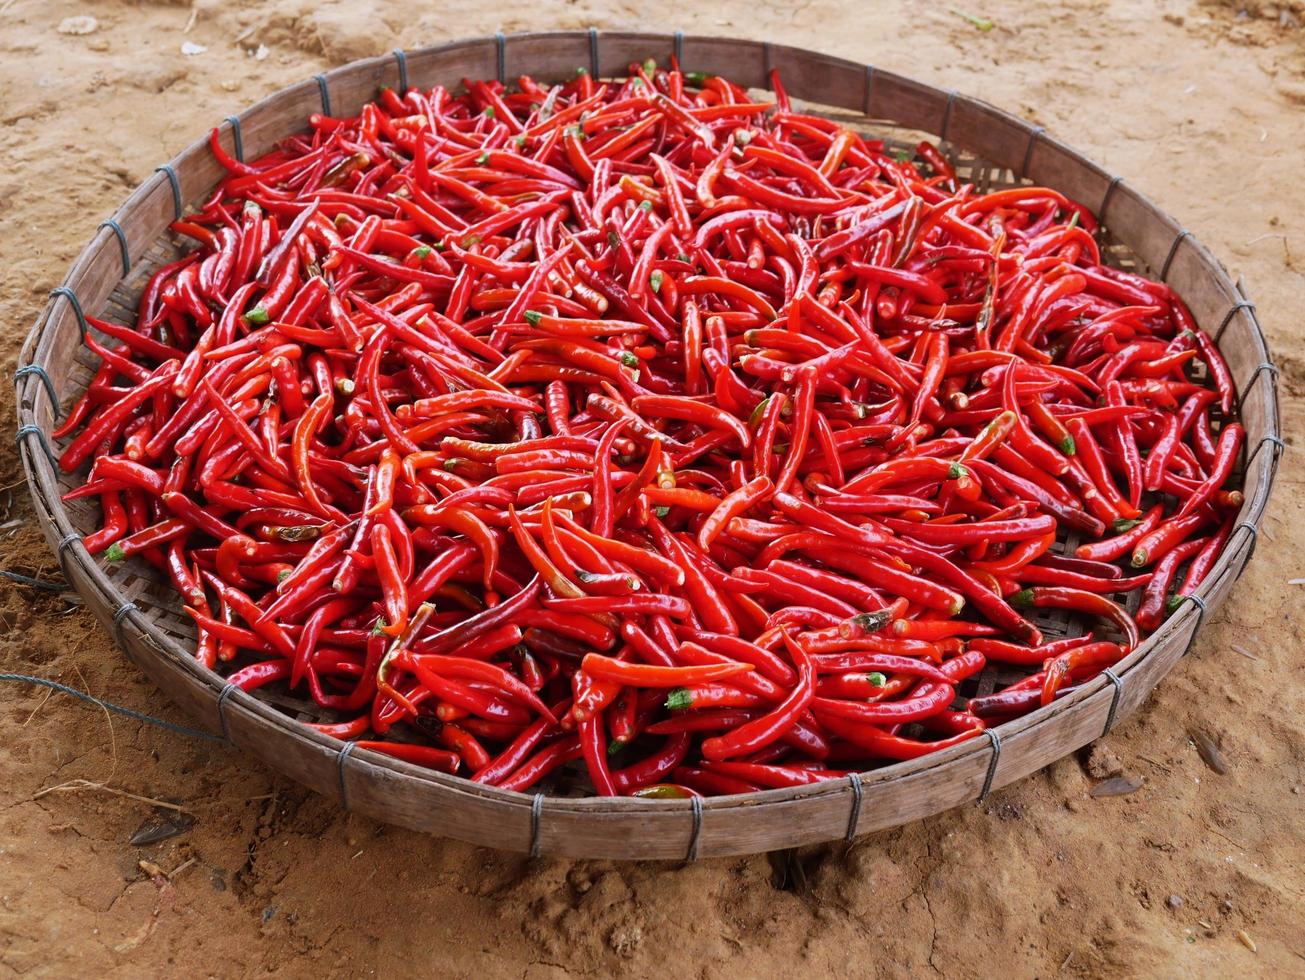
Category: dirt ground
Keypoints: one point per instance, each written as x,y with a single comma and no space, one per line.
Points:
1202,106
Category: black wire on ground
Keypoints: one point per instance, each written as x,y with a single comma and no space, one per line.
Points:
110,706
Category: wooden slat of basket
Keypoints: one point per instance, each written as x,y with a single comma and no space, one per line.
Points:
996,147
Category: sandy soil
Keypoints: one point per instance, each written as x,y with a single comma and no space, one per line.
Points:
1202,106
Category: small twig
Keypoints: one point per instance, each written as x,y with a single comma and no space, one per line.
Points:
1237,844
75,784
49,692
1158,765
180,868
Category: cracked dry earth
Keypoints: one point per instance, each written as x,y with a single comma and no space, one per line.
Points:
1200,105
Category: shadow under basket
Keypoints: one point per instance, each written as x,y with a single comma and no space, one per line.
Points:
989,149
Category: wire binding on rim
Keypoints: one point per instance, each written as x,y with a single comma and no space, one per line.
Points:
122,613
341,758
854,817
536,818
995,739
171,174
221,709
237,137
767,66
1255,540
678,50
947,117
67,293
36,369
1106,198
1114,679
324,91
1200,618
695,807
1241,304
401,61
500,57
1173,250
869,89
1260,369
122,243
69,538
593,52
1278,445
1034,133
29,429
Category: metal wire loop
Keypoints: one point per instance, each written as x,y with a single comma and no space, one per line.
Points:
1200,618
947,116
1028,150
678,50
1260,369
67,293
123,248
869,89
401,62
40,372
122,612
1278,446
340,759
500,57
221,708
536,818
1105,200
1173,250
995,739
767,65
695,807
237,137
324,91
1255,540
1034,133
30,429
175,184
68,539
1114,679
593,52
854,817
1241,304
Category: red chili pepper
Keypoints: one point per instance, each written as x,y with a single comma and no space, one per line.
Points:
419,755
646,675
1225,458
1088,656
757,734
1044,597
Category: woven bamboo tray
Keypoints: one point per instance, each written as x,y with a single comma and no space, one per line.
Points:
989,148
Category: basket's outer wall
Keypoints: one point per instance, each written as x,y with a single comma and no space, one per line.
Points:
393,791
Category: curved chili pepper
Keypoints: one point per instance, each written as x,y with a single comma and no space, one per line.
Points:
1044,597
757,734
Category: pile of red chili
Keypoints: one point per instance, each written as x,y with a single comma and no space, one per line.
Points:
646,424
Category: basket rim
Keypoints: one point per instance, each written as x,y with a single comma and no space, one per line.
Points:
41,474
